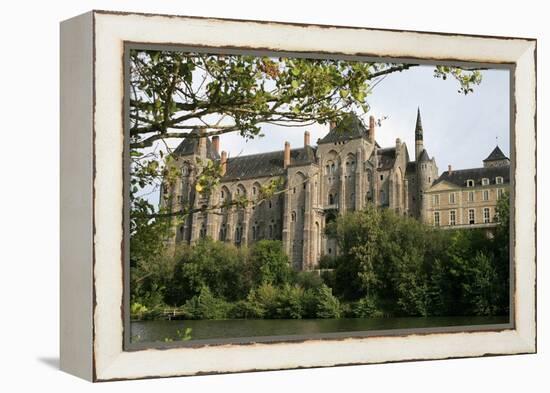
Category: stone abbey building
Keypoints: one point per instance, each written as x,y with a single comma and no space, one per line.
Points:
345,171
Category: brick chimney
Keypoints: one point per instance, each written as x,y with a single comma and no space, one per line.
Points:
223,163
286,162
202,144
306,138
372,128
216,143
450,169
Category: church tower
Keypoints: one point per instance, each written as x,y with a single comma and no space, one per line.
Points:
426,170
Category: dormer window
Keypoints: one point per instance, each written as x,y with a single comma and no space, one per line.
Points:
484,181
469,183
499,180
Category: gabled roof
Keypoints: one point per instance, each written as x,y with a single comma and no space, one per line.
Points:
496,155
351,127
266,164
459,177
190,146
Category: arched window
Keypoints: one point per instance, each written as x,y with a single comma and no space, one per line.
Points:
293,216
469,183
330,199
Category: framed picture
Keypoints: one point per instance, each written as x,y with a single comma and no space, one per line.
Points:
246,195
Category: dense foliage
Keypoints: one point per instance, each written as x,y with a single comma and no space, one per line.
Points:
389,265
395,265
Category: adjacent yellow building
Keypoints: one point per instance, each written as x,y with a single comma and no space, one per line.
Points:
468,197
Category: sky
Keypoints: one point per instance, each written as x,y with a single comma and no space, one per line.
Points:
460,130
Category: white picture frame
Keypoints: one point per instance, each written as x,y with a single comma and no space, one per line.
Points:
92,162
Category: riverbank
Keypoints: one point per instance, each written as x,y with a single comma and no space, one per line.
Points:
163,330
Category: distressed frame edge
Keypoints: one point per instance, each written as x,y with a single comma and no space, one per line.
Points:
76,207
527,339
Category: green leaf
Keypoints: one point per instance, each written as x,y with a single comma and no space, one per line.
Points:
344,93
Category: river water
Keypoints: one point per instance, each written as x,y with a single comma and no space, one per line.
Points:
150,331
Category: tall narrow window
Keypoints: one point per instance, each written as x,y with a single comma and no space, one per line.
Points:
485,195
500,192
452,198
486,215
472,216
293,217
437,220
470,196
435,200
452,217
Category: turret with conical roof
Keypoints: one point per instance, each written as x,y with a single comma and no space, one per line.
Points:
496,158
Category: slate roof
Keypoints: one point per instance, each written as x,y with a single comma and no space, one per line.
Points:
460,176
191,145
424,156
266,164
351,127
496,155
418,132
386,158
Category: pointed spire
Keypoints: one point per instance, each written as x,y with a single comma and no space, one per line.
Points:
418,130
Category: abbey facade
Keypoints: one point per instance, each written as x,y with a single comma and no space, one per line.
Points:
345,171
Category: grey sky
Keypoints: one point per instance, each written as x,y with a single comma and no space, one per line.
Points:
460,130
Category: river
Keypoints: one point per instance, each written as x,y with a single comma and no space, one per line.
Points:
150,331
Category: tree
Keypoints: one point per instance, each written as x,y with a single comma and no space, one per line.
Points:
269,263
220,267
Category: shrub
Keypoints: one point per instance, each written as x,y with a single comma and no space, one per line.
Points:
244,309
365,308
206,306
328,305
307,280
219,266
264,300
289,302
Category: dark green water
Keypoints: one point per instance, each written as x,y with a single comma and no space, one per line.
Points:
148,331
